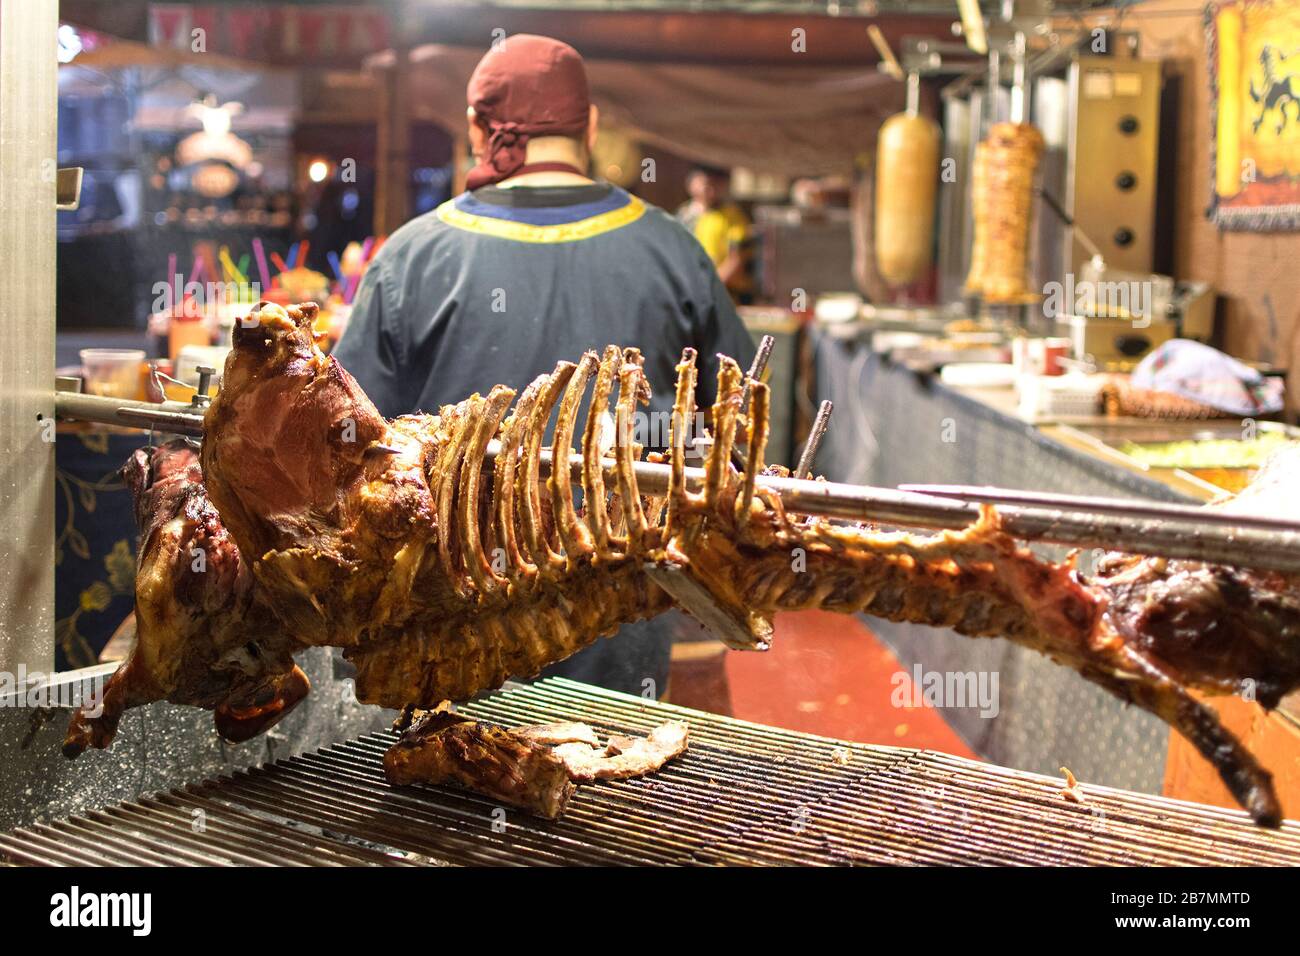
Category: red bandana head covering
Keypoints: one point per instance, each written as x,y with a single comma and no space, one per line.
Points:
525,86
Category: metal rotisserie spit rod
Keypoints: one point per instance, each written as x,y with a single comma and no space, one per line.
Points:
172,417
1189,533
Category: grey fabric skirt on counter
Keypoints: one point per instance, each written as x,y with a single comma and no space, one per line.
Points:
894,426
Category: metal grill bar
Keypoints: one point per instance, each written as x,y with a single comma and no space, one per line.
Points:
742,794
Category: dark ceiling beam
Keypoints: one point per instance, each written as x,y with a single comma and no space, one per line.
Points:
126,19
718,38
715,38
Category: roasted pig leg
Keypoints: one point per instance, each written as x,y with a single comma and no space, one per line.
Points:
441,574
202,636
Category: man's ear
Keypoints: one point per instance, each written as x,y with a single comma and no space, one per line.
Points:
593,124
477,137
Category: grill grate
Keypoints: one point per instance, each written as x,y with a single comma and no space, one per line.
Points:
742,794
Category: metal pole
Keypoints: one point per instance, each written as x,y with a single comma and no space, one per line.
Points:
913,93
1153,533
28,122
1019,81
171,417
994,87
1246,547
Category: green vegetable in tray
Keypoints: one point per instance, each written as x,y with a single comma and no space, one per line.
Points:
1211,453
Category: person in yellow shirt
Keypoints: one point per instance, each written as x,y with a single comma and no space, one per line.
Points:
722,228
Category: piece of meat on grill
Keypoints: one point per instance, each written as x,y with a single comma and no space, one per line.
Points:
624,757
561,732
446,748
442,575
533,767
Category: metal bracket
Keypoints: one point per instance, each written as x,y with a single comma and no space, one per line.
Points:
67,188
201,397
753,634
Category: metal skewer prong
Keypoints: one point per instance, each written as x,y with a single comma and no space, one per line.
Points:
815,436
756,370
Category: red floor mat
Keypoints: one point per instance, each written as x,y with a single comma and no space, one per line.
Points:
828,674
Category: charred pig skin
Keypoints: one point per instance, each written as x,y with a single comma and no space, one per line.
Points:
203,636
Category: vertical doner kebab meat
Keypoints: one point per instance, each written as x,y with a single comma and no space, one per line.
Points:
1002,193
442,575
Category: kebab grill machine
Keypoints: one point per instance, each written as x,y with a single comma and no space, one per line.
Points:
1044,185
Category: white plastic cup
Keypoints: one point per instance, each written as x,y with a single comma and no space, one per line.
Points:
112,372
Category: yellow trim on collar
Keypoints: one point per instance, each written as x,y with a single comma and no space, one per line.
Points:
527,232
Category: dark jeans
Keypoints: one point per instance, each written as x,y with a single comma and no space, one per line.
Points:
637,654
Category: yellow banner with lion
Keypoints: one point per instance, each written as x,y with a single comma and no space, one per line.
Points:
1254,61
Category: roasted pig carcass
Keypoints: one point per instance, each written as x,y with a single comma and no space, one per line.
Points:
1002,195
442,574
